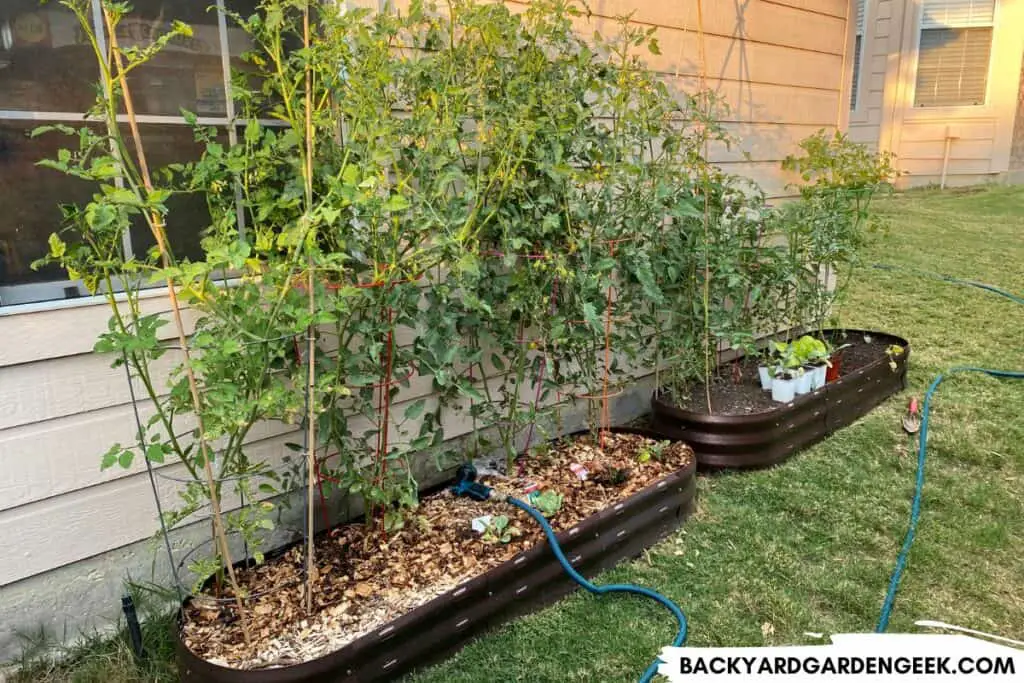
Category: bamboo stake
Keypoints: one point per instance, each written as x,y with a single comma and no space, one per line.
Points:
606,415
842,73
310,332
707,209
157,227
311,444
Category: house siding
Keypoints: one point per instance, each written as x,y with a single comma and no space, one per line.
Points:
1017,149
778,65
880,36
74,533
981,139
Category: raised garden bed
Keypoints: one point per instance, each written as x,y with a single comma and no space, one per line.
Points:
611,516
749,430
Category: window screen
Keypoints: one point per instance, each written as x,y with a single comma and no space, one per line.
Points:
954,52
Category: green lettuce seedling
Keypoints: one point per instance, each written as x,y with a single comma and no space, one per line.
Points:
548,502
499,530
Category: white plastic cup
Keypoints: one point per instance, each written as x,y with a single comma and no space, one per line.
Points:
803,383
783,389
766,377
818,377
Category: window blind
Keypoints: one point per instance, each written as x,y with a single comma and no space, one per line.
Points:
958,13
954,52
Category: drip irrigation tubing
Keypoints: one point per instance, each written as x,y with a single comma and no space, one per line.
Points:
915,508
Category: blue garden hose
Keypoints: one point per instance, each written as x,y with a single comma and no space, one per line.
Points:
466,485
601,590
952,280
915,508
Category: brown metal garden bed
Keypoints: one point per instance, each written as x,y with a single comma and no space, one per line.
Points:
528,581
766,438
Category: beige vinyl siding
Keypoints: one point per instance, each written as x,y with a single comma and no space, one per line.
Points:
832,8
43,334
866,118
780,67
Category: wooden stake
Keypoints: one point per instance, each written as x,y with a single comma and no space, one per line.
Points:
310,333
159,234
707,210
606,415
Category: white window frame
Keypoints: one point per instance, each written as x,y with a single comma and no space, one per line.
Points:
37,296
940,111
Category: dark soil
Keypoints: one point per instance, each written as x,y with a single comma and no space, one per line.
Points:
736,389
365,578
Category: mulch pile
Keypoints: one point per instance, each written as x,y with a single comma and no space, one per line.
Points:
364,579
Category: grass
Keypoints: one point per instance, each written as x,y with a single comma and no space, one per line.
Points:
100,657
809,546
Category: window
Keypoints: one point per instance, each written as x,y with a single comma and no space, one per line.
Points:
858,54
954,52
47,74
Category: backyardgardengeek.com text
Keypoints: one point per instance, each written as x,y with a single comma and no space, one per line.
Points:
847,665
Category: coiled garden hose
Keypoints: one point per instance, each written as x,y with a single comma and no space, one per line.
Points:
915,508
601,590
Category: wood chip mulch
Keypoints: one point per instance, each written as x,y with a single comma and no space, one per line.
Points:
364,579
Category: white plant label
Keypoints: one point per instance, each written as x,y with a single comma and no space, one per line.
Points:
480,523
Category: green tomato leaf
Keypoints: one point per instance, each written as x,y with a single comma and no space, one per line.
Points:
155,453
396,203
57,246
469,263
415,410
125,459
110,457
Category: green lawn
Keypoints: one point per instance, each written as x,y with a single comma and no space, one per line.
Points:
809,545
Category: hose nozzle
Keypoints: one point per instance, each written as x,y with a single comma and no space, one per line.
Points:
466,484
